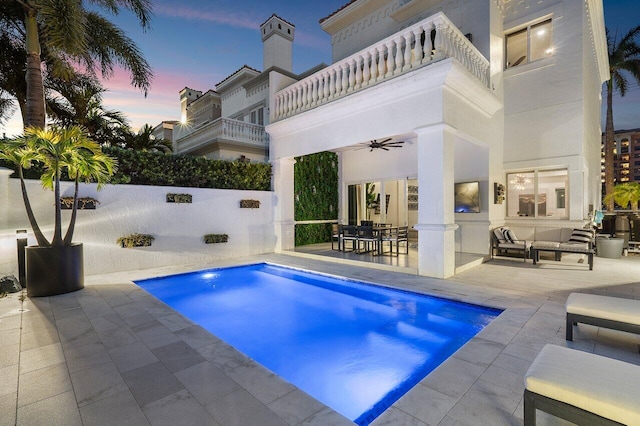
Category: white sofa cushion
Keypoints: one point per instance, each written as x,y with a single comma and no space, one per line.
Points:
613,308
543,244
604,386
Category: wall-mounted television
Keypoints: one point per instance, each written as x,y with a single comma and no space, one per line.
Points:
467,197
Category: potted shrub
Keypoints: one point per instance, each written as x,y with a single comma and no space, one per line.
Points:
56,266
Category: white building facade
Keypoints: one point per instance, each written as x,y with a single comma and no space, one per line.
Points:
229,122
504,93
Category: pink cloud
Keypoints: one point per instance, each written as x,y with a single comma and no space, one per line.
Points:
219,16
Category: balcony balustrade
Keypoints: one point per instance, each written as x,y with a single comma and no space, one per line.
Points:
222,130
419,45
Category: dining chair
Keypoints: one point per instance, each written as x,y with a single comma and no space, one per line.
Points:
349,233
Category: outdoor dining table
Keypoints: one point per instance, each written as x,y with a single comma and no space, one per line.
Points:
377,231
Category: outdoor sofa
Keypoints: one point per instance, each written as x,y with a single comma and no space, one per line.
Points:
529,241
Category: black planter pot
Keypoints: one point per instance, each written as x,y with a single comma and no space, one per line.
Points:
54,270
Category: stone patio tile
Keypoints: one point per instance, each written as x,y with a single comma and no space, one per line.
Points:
196,336
132,356
178,356
8,409
107,323
501,333
43,383
93,384
9,354
260,382
42,337
9,382
512,363
327,416
470,411
118,337
224,356
71,329
206,382
11,319
240,408
157,340
295,407
479,351
522,352
57,410
394,417
454,377
140,321
425,403
496,395
151,383
117,301
67,312
44,356
449,421
86,355
10,337
505,379
178,409
174,321
118,409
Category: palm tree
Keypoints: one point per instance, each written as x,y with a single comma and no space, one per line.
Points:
624,58
80,103
625,194
66,35
145,141
59,150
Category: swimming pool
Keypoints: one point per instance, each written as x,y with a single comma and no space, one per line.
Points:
356,347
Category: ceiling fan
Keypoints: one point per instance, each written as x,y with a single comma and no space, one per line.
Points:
381,144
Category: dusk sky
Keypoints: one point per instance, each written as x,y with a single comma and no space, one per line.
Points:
197,43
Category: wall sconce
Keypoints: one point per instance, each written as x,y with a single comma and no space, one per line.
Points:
498,193
21,242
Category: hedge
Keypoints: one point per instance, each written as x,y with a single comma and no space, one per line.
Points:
156,168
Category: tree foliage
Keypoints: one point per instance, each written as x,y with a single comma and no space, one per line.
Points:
624,62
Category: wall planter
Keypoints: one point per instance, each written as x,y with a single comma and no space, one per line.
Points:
249,204
54,270
136,240
84,203
179,198
215,238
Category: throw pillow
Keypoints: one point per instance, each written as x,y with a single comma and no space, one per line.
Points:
499,233
510,235
581,236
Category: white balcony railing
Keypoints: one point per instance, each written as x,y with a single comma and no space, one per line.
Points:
421,44
223,129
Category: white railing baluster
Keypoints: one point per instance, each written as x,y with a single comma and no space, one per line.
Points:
399,53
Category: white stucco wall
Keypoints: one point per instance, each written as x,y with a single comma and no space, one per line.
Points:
127,209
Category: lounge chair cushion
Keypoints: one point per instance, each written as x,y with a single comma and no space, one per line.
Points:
518,245
499,233
600,385
612,308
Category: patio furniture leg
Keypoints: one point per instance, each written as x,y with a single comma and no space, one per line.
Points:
529,409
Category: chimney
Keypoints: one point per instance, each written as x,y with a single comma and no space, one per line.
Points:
277,41
186,97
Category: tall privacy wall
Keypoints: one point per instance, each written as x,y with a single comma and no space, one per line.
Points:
178,228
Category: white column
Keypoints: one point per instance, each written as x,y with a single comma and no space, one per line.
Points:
436,227
4,197
284,203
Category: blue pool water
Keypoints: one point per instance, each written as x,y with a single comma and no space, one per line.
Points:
355,347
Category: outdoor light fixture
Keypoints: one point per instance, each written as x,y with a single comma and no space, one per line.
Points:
21,242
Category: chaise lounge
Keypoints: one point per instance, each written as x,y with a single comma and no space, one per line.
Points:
602,311
582,388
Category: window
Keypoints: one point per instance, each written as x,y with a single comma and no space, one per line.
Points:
537,193
257,116
529,44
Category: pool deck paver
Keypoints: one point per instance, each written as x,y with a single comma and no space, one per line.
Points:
113,354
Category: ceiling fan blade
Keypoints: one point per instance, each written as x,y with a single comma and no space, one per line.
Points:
385,141
386,149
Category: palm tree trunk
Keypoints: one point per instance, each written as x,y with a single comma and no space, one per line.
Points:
40,238
609,145
72,222
57,230
35,88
